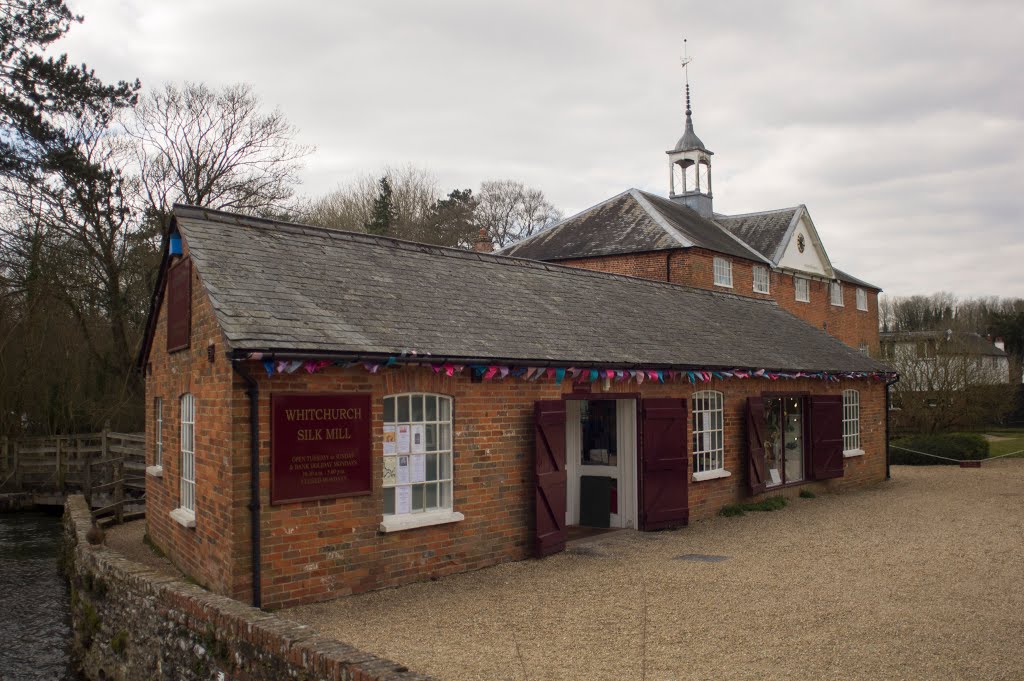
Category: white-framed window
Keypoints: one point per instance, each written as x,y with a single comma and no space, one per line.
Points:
803,289
158,431
723,272
851,421
862,300
708,435
837,293
188,453
761,279
418,465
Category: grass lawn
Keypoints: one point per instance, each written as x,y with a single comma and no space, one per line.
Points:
1014,444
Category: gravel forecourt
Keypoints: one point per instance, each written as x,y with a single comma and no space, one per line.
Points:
921,577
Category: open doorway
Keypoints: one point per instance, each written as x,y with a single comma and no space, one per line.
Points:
601,455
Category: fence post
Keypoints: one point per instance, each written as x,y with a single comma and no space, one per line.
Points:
87,473
119,489
16,457
61,472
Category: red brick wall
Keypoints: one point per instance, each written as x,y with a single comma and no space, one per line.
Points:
694,267
206,551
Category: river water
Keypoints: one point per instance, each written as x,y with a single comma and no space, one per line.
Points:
35,628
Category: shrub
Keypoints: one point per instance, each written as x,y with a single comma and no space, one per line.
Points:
807,494
958,446
769,504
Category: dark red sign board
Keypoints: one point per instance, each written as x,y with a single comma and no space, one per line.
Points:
320,447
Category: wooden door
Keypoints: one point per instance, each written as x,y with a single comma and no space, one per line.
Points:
826,436
550,477
665,466
757,431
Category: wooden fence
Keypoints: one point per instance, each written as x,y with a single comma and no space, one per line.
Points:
108,468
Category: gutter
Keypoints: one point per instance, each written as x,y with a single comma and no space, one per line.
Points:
888,403
253,391
386,357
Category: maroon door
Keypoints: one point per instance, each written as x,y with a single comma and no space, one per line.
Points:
549,467
826,436
665,470
757,429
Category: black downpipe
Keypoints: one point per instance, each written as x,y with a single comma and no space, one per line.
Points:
668,267
253,391
888,405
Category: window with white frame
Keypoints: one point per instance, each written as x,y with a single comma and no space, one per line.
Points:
708,432
158,431
862,300
723,272
188,452
837,293
761,280
417,454
803,289
851,420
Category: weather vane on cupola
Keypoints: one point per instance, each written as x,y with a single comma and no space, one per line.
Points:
690,161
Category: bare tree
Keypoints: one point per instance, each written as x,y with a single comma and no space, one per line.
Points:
215,148
350,207
510,211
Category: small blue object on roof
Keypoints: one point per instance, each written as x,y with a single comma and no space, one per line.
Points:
175,244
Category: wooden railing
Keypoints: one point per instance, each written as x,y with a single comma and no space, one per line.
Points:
108,468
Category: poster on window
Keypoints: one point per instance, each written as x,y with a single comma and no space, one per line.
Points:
390,441
403,499
419,440
418,465
402,474
403,439
319,446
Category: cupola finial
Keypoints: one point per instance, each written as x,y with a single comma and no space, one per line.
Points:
686,75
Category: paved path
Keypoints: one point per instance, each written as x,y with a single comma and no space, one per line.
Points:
919,578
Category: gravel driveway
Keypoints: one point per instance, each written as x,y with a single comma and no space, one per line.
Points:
919,578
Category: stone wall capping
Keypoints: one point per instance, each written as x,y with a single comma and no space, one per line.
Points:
181,631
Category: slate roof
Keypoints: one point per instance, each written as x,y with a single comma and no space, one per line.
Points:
293,288
849,278
958,343
767,232
631,222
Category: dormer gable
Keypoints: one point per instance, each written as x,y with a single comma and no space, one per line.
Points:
801,249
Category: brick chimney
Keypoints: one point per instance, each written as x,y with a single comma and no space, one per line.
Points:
483,243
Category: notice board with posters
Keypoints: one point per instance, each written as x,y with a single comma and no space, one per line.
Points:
320,446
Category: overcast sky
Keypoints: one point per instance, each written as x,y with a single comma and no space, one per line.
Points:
898,124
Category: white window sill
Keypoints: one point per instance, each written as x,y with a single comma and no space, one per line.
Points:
723,285
409,521
849,453
711,475
838,305
155,471
802,301
184,517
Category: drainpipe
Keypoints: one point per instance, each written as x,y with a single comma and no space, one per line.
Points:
253,391
668,267
888,402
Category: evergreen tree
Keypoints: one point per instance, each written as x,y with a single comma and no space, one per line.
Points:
382,220
42,98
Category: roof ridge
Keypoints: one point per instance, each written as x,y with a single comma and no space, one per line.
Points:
564,220
722,229
505,260
759,212
641,197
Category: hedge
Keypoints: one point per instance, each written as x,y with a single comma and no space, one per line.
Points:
959,446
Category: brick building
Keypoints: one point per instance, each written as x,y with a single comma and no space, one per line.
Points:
771,255
329,413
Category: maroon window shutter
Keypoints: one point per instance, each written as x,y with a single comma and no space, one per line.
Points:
179,305
826,436
549,468
665,469
757,429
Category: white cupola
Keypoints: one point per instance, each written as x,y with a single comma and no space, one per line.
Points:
689,165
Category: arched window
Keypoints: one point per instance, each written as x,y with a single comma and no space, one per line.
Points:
188,453
851,421
417,453
708,432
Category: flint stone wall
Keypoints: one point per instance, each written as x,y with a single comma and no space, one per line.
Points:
132,623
